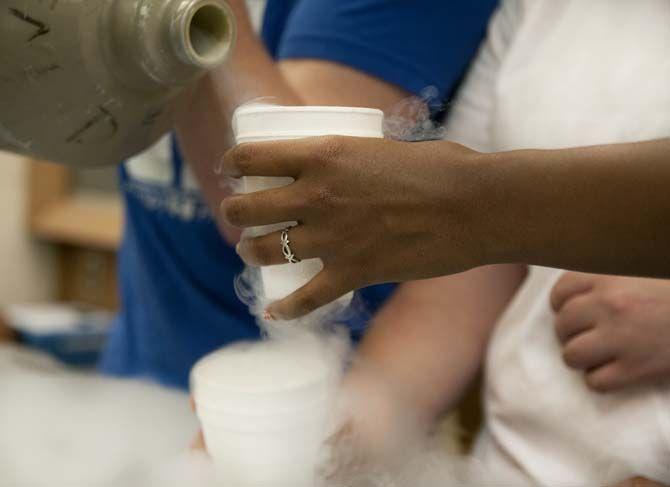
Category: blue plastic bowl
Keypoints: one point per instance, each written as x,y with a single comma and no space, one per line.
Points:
78,348
73,335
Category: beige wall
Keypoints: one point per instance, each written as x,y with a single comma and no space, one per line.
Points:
26,268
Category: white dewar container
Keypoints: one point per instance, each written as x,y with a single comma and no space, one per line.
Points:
259,123
266,410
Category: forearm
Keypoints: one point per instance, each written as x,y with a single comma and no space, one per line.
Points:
429,341
204,122
598,209
204,127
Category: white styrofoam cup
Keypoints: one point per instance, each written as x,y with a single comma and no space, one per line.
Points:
266,458
258,123
265,410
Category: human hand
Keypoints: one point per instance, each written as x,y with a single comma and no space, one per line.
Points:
378,427
372,210
615,329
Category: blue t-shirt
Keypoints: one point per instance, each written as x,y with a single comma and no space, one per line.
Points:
176,272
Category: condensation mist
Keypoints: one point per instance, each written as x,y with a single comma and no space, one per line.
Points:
376,440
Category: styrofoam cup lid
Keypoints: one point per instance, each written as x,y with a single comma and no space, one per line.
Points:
262,367
256,121
212,392
260,404
213,401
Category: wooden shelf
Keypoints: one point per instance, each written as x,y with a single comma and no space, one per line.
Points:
60,213
85,228
88,220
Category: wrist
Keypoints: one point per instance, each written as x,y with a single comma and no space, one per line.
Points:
524,195
499,216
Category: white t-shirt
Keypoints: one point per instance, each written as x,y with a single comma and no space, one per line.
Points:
553,74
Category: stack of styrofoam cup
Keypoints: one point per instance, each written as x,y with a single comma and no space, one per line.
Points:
265,411
257,123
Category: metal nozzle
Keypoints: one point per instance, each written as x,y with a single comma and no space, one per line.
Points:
203,32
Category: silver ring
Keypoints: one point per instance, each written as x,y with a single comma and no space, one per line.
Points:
286,247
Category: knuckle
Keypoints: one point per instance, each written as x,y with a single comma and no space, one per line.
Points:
309,199
567,307
233,212
320,198
598,383
570,312
300,204
560,328
328,246
259,252
331,148
618,302
556,298
580,310
242,156
557,290
571,357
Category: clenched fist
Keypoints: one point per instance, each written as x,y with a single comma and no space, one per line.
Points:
615,329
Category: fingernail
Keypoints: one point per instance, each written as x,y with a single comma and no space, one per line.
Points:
237,248
268,316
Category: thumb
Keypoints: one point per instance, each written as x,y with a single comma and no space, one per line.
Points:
325,288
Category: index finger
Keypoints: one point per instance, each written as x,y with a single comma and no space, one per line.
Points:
284,158
324,288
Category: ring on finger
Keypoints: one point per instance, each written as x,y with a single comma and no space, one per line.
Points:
286,247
